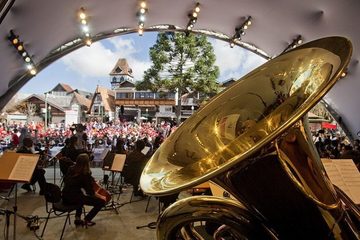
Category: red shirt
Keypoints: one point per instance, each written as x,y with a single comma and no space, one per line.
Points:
15,139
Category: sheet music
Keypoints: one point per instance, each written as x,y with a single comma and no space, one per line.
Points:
344,174
118,163
145,150
24,168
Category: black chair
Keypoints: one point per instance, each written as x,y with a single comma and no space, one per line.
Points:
55,205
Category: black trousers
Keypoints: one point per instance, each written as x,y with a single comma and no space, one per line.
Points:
97,204
38,176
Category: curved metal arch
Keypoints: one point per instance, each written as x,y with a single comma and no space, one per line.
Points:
19,81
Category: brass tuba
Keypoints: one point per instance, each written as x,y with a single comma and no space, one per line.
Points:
252,139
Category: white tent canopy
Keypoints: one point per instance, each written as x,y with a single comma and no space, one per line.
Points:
45,25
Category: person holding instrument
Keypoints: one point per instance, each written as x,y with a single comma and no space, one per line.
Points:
78,178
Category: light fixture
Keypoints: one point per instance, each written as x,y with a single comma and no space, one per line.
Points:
295,42
193,16
343,74
240,31
20,48
85,27
141,17
88,42
82,14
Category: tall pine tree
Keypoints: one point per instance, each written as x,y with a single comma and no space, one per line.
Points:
181,62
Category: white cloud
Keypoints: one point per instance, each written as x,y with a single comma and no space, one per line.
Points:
98,60
234,62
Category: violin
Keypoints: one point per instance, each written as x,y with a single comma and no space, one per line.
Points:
101,193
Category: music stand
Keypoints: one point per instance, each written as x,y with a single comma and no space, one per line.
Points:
115,164
16,168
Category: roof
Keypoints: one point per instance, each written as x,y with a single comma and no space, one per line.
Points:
49,101
80,99
274,26
64,86
107,96
121,68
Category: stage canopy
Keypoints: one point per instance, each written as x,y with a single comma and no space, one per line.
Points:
50,29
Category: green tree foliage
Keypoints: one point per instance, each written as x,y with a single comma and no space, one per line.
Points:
181,62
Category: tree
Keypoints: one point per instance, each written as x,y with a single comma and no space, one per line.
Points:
181,62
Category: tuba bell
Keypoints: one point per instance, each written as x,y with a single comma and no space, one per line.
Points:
252,139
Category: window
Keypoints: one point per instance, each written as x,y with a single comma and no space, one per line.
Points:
114,79
122,95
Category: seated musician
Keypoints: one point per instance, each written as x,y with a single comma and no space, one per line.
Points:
135,163
39,172
64,161
78,178
70,150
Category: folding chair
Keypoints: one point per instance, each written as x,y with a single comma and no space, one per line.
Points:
55,205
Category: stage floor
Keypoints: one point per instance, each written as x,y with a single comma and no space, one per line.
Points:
109,225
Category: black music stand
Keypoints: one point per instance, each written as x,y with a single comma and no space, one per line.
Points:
115,164
16,168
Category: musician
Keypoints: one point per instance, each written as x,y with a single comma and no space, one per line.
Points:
78,178
39,172
135,163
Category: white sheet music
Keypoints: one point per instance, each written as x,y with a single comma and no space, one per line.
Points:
145,150
344,174
24,168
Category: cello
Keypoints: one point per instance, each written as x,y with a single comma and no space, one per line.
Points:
101,193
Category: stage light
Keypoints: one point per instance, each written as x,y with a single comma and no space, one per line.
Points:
83,21
85,28
87,34
343,74
232,44
20,47
82,14
295,42
15,41
33,71
240,30
29,66
142,18
197,7
88,42
193,17
27,59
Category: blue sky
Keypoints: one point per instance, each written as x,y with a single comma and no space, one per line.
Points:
90,66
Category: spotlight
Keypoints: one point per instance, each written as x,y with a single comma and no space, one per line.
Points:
29,66
83,21
143,4
27,59
82,14
33,71
343,74
88,42
240,30
197,8
142,10
85,28
140,31
15,41
20,47
142,18
232,44
87,34
193,16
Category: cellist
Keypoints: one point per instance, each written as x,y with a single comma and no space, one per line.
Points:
78,178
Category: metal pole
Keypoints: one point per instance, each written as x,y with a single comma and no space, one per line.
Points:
45,127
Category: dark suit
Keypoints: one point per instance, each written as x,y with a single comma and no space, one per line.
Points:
135,163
